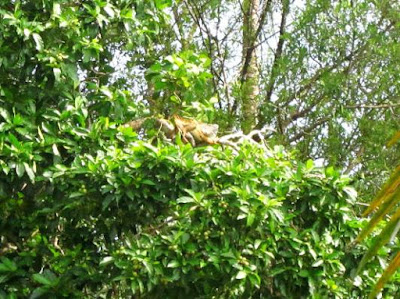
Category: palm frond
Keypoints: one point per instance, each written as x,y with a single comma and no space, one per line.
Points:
385,204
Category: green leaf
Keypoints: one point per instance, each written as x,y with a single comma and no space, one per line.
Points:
106,202
161,4
109,10
386,192
255,280
39,292
304,273
7,265
383,209
134,286
185,237
148,182
72,72
20,169
38,41
42,279
250,219
55,150
3,279
56,9
257,243
185,199
173,264
148,266
106,260
241,275
277,271
317,263
6,115
106,91
313,253
351,192
57,74
14,141
29,171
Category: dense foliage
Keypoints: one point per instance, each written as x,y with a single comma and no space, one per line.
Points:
89,208
109,214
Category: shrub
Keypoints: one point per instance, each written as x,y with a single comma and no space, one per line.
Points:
99,212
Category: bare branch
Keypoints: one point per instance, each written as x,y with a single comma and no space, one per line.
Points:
319,74
196,15
246,137
301,113
278,52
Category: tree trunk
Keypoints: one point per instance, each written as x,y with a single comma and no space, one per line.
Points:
250,71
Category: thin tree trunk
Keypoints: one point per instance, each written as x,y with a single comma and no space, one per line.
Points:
250,73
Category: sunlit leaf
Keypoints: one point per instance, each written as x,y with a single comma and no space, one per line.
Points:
351,192
20,169
29,172
57,74
56,9
106,260
185,199
109,10
38,41
241,275
6,115
173,264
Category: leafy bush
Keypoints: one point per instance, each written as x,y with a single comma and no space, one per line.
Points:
99,212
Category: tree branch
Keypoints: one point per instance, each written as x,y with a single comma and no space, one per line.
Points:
353,56
278,52
301,113
319,74
309,129
197,17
